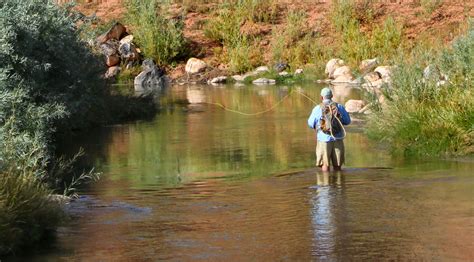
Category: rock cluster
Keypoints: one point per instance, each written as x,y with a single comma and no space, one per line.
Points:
117,46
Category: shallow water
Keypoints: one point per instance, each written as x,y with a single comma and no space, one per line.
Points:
202,183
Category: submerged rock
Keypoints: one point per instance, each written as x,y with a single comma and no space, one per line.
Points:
60,200
264,81
151,78
194,66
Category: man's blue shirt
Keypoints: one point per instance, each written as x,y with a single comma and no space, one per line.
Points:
314,122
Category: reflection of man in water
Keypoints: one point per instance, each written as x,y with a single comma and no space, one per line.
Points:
330,146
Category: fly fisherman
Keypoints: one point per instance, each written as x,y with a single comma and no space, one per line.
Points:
328,119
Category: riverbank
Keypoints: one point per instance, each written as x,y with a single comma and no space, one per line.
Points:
297,33
50,85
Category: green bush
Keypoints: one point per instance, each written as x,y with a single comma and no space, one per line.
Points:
50,83
356,45
158,36
295,44
26,213
422,117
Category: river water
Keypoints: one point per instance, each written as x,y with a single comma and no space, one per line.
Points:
202,183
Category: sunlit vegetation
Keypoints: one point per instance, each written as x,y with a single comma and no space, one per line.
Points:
426,115
159,36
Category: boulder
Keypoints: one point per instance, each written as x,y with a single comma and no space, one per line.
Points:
342,74
127,39
262,69
110,47
284,73
371,86
298,71
115,32
112,60
112,72
151,78
385,72
238,78
372,77
368,65
280,66
354,106
128,52
218,80
332,65
60,200
264,81
195,65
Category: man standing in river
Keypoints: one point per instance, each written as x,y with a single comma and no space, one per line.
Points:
328,119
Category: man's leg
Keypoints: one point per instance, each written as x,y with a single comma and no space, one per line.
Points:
323,154
337,156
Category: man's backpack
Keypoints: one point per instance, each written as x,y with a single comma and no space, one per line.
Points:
330,122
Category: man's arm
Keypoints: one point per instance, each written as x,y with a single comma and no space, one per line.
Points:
314,117
345,117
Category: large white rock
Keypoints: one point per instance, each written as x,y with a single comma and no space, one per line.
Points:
368,65
195,65
127,40
354,106
298,71
262,69
342,74
372,77
264,81
385,72
238,78
332,65
218,80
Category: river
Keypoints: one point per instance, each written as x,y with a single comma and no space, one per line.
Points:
202,183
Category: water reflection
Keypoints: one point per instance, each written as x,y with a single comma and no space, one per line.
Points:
329,187
209,186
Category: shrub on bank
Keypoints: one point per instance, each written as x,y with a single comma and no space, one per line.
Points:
423,116
159,37
26,212
49,83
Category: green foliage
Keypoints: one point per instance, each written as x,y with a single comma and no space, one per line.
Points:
50,82
48,78
26,213
158,36
357,45
240,51
294,44
421,116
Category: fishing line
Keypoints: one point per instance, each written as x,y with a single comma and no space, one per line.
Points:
264,111
274,106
